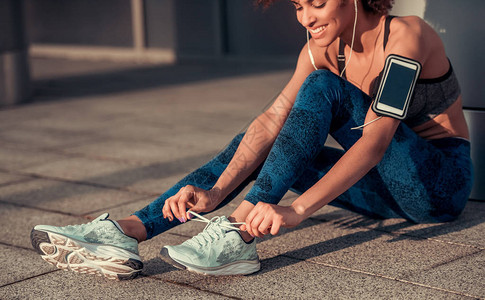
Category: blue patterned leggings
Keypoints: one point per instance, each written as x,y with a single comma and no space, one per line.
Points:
420,180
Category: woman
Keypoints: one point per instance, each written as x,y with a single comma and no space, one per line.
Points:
418,168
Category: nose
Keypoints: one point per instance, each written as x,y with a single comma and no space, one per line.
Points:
308,18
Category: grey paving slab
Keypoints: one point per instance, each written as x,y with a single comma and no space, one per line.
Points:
68,285
465,275
71,198
116,174
172,138
142,152
362,249
467,229
19,264
283,277
14,159
8,178
77,121
35,138
11,118
17,222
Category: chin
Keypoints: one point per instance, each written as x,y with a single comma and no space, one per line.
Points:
323,42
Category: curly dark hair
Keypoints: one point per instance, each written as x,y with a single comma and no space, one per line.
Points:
374,6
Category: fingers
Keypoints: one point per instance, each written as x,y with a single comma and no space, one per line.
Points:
255,224
167,212
275,228
176,206
262,220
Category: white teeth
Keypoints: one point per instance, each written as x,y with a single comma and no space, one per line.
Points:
319,29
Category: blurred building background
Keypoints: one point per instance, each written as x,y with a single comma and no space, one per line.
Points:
164,29
167,31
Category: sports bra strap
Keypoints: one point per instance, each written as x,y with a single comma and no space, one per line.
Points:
341,58
387,30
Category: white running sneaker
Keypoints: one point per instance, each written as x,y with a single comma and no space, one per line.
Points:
98,247
218,250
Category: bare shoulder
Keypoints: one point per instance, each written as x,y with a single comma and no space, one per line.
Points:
412,37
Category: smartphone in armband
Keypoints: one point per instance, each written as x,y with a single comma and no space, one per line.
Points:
396,86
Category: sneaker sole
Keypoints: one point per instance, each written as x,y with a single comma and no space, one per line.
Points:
69,254
243,267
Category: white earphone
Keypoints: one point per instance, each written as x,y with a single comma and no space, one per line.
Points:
351,44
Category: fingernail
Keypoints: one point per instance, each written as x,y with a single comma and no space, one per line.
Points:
189,216
183,220
180,220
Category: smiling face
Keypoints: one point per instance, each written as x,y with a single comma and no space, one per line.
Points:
324,19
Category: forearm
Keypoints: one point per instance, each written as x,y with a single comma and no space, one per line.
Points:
353,165
252,151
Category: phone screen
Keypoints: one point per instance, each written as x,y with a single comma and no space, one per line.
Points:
397,85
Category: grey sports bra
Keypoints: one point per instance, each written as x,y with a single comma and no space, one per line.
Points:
431,96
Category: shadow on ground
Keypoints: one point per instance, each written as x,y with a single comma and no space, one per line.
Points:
144,77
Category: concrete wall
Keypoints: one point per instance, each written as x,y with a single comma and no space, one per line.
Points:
160,24
253,31
14,68
189,27
80,22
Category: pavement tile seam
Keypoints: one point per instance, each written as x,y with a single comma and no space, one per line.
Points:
16,182
88,183
402,280
17,246
185,285
66,213
26,165
117,205
28,278
37,208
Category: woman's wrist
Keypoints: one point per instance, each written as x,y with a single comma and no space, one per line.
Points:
299,211
216,195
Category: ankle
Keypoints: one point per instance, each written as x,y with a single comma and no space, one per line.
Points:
133,227
244,235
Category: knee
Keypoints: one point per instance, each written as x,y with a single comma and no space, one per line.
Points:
320,84
321,78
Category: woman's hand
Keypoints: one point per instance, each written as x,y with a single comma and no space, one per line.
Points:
197,199
267,218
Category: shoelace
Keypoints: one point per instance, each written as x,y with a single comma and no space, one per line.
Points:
212,231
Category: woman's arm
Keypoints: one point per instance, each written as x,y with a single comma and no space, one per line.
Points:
262,132
251,152
352,166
